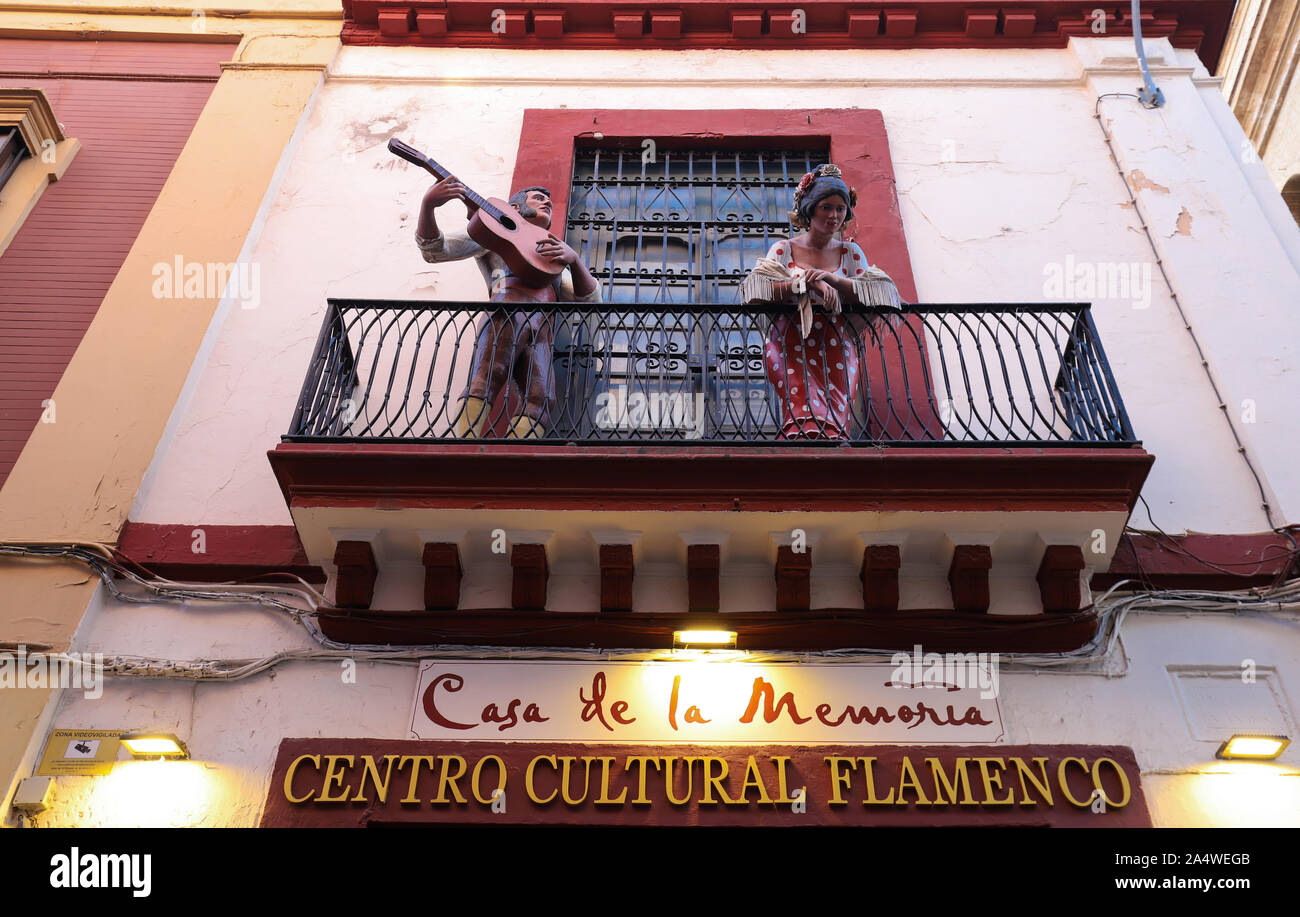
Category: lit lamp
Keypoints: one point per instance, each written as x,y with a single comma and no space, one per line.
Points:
156,746
704,639
1252,747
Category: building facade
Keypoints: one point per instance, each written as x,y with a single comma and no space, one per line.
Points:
172,113
1258,69
1094,350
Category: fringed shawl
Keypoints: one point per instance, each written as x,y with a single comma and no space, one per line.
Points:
874,288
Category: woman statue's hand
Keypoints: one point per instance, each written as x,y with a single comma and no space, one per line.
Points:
829,296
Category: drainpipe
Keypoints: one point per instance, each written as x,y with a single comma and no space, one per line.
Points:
1148,94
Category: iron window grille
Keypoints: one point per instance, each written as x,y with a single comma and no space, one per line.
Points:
681,227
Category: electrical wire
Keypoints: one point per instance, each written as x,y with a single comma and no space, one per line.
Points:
1111,614
1187,325
1175,548
1241,448
106,566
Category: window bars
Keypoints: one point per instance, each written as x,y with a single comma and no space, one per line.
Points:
678,227
683,227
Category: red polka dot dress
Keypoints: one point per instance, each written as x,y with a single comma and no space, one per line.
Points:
815,377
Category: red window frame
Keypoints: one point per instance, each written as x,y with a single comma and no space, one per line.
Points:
855,137
858,144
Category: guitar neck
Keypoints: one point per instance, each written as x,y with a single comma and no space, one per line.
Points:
414,156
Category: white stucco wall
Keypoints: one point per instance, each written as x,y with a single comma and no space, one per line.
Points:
1001,171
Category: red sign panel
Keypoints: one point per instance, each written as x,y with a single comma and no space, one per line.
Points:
360,782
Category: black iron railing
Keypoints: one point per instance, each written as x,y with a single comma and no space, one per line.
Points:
398,371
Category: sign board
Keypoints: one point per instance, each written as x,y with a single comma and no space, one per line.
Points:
356,782
84,752
729,702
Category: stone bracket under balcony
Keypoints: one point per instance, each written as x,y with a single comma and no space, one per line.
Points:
552,529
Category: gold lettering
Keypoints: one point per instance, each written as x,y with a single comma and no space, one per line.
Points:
604,785
335,775
371,773
838,781
942,783
1043,786
908,779
288,778
410,797
993,782
781,761
1065,784
871,800
566,764
1123,781
528,780
478,769
641,762
753,778
711,783
669,780
446,779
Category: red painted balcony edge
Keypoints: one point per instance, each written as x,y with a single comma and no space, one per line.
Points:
662,478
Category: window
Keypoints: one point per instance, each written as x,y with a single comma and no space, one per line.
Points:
12,151
682,226
685,227
33,153
552,140
1291,195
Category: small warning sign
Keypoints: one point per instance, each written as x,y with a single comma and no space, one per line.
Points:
85,752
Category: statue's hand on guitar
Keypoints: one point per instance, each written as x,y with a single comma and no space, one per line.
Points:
556,250
450,189
494,224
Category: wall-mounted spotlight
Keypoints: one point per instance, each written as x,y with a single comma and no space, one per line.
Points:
156,745
704,640
1252,748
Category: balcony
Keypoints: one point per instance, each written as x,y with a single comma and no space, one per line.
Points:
980,460
996,375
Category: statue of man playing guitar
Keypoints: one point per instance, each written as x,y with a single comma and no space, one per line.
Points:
515,344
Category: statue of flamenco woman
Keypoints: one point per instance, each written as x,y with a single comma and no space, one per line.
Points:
812,359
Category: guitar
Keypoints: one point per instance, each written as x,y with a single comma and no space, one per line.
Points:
497,226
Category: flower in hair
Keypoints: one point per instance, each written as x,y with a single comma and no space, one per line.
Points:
804,184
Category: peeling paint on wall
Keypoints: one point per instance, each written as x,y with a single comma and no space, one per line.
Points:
1140,182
